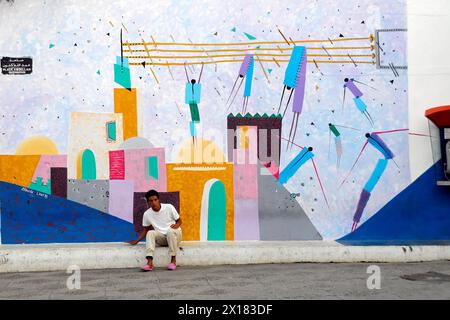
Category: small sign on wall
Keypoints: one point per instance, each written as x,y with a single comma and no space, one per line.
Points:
16,66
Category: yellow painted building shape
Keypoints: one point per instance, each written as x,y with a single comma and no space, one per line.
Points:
189,180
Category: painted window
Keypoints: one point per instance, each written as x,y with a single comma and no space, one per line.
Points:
111,130
153,167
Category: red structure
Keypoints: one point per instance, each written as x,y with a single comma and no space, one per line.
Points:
440,142
117,165
440,116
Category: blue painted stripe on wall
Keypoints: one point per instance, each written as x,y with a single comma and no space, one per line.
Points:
294,165
193,93
376,175
290,76
360,104
249,79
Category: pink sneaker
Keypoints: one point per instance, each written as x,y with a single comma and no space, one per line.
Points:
146,268
172,266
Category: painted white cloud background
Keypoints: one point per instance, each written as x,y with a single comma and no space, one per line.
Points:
65,79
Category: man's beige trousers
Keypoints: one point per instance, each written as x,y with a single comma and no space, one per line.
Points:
172,239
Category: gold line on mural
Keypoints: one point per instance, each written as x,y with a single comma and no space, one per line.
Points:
262,67
151,70
240,61
250,49
243,43
243,55
276,62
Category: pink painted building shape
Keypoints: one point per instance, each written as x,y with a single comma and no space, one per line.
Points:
146,168
46,163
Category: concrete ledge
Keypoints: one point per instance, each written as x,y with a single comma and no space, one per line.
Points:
53,257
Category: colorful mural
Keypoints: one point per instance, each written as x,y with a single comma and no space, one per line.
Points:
230,117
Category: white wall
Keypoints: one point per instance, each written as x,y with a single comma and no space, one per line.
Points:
429,72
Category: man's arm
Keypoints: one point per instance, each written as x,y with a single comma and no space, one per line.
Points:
177,224
141,236
176,217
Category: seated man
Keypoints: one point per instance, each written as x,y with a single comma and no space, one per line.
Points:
161,224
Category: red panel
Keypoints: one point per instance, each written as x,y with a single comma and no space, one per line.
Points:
440,116
117,165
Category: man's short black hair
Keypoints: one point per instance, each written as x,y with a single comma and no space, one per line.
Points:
151,193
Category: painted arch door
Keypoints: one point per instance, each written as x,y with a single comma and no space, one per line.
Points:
88,167
213,212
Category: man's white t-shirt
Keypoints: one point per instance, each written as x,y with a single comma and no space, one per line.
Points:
161,220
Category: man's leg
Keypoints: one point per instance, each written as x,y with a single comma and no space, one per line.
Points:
173,239
150,244
153,237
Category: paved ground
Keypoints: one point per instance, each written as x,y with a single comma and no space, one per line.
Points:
289,281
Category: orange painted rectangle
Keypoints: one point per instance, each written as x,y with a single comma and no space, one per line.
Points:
125,102
18,169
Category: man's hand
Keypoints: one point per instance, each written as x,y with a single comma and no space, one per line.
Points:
141,236
176,225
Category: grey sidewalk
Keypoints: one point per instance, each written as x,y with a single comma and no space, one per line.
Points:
289,281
